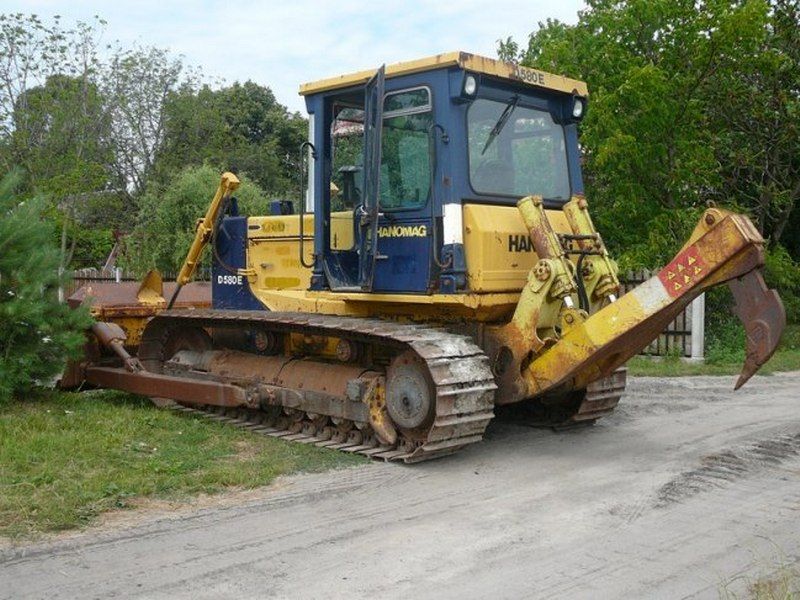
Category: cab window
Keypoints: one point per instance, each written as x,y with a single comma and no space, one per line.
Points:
405,157
516,151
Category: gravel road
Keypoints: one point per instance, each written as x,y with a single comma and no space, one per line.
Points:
688,490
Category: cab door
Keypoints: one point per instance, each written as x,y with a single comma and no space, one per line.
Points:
404,232
368,213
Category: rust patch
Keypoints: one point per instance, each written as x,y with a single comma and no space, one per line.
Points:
761,312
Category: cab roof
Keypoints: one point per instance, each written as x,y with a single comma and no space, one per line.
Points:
464,60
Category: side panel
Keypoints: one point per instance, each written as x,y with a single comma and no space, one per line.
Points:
229,290
407,249
498,249
273,246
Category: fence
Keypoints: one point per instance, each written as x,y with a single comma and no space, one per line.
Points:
82,277
684,336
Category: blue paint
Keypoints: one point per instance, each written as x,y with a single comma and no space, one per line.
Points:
407,266
228,290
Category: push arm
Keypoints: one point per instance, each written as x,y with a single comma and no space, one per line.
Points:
202,234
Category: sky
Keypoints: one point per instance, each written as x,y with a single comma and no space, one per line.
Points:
282,44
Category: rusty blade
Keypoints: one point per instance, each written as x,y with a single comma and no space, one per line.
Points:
761,311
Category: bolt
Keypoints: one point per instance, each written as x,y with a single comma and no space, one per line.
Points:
542,271
709,219
569,318
346,350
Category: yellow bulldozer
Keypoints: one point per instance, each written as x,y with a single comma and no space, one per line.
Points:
442,264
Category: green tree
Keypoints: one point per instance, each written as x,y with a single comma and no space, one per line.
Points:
37,333
55,125
136,85
60,136
754,111
241,126
167,219
686,98
62,139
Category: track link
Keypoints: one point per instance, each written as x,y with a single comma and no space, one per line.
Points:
600,399
463,382
575,410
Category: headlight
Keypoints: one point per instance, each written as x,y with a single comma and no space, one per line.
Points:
470,85
578,105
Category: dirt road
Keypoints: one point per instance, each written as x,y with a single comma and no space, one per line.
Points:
687,490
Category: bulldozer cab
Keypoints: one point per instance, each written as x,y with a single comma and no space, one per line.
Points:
398,151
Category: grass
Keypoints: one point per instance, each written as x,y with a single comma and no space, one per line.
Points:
725,356
784,585
781,581
65,458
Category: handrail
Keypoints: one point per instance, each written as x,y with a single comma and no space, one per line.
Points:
433,160
303,146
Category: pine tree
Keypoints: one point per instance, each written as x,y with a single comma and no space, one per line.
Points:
37,333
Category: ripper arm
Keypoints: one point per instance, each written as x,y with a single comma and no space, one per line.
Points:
583,347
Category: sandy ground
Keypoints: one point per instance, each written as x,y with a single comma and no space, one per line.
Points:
688,490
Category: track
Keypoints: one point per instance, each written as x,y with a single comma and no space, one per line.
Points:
459,370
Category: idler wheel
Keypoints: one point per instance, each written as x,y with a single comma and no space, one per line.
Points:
409,392
194,339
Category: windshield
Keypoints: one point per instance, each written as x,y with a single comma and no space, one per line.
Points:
525,156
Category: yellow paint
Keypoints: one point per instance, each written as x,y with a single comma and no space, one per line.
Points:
133,328
598,271
318,345
273,248
342,232
495,274
727,247
464,60
436,307
281,283
151,290
227,185
491,265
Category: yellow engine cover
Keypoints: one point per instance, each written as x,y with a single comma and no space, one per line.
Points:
273,248
498,250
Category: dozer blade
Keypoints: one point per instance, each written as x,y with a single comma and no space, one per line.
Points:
761,311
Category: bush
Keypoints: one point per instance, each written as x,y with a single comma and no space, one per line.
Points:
167,218
725,339
783,273
37,333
